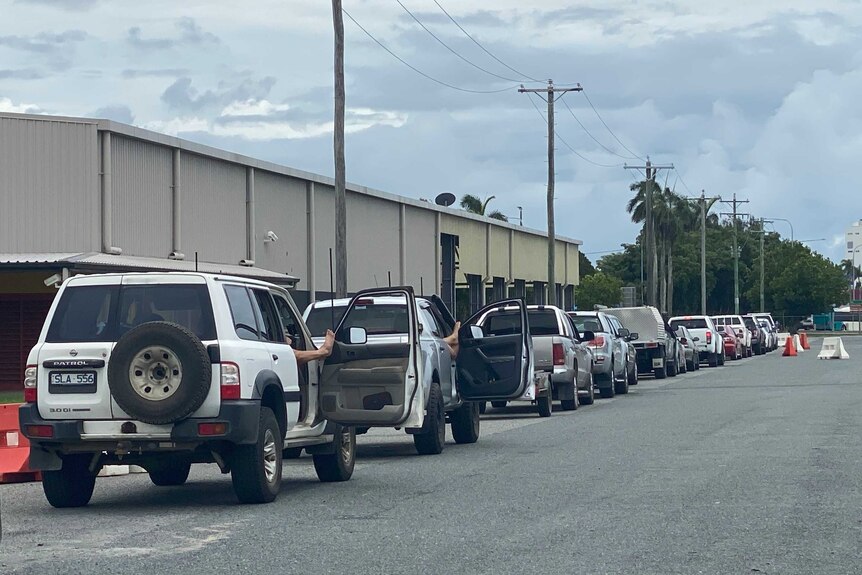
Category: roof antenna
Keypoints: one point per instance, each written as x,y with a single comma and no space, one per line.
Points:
196,261
331,290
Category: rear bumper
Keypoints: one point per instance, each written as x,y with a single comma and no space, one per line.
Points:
240,417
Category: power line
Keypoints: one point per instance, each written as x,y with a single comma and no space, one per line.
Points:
418,71
456,53
608,127
593,137
679,175
575,152
480,45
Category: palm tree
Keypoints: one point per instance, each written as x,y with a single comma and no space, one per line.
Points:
474,205
637,208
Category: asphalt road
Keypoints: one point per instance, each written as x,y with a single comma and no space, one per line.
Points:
750,468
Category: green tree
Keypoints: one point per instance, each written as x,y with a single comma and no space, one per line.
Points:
585,266
475,205
598,289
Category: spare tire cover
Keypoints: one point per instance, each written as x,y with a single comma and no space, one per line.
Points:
159,372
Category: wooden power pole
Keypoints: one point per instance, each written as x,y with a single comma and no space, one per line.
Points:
338,145
551,92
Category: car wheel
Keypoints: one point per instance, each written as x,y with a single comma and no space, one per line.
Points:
545,404
721,359
660,372
170,472
159,372
337,466
432,438
609,391
72,485
671,369
622,387
499,404
256,469
465,423
632,376
712,360
591,396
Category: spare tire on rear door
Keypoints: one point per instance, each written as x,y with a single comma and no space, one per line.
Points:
159,372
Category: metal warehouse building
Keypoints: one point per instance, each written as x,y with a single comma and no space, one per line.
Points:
81,195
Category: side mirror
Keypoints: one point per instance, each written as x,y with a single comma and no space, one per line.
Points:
357,336
623,332
588,336
633,336
476,332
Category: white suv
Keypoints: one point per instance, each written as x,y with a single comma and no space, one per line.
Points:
164,370
736,323
707,340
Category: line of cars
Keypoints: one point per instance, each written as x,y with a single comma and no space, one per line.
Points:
167,370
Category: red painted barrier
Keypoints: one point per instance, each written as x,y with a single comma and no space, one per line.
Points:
14,448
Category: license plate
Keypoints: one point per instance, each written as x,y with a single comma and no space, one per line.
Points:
72,378
657,362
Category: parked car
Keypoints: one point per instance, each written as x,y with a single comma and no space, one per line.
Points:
807,323
559,351
614,364
688,342
759,336
738,325
734,346
710,346
656,344
773,326
385,318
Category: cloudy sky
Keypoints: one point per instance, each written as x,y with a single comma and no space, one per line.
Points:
757,97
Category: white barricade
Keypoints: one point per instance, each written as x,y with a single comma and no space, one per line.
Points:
833,348
782,339
797,343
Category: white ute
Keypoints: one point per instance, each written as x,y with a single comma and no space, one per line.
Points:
164,370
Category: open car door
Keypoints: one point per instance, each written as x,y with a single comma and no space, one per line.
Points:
373,376
495,350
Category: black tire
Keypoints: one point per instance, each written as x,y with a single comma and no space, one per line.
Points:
432,438
610,391
712,360
170,472
465,423
591,396
545,404
632,376
292,453
499,404
569,404
622,387
72,485
182,376
721,359
672,369
256,469
338,466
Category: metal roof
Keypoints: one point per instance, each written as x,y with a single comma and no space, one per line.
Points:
118,262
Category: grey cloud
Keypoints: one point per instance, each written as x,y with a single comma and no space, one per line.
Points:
181,95
68,5
44,43
21,74
117,112
154,73
190,33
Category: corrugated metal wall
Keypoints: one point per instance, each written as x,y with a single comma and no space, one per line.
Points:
280,207
142,195
213,209
421,249
49,180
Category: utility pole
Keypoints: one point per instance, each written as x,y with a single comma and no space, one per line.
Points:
704,208
649,229
735,214
762,234
338,145
552,240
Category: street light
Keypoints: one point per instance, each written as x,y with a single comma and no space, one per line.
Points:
788,223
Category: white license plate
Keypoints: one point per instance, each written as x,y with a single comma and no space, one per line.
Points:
657,362
72,378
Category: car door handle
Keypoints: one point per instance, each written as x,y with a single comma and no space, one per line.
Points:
274,357
442,348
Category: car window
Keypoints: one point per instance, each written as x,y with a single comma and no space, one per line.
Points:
504,323
268,319
426,320
244,317
587,323
289,322
690,323
543,322
321,319
83,314
378,319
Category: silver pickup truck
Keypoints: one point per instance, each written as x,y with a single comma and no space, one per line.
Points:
559,350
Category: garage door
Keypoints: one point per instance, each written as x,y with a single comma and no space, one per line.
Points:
21,319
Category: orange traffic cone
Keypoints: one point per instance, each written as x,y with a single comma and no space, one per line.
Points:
789,348
803,338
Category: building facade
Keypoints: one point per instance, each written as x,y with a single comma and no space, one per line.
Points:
85,195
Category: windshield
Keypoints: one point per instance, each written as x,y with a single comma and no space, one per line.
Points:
377,319
690,323
106,312
588,323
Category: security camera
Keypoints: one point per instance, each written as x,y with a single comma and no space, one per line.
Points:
55,280
270,237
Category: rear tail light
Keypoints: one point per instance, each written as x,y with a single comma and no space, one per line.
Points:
217,428
709,337
598,341
45,431
230,388
30,381
559,354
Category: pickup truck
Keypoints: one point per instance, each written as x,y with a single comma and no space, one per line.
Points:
557,351
614,365
656,345
709,343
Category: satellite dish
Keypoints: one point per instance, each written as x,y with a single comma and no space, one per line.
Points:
445,199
